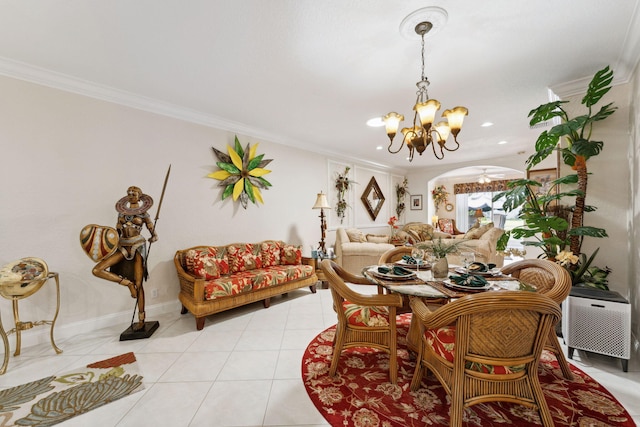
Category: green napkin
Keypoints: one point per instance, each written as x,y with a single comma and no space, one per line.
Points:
409,259
397,270
469,280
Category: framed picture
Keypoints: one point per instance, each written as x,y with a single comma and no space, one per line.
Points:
544,177
416,202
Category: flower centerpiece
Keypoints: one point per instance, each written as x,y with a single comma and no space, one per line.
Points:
392,223
342,186
401,193
440,196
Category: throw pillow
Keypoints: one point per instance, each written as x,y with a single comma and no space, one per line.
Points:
270,253
243,258
356,235
207,265
475,233
290,255
377,238
446,225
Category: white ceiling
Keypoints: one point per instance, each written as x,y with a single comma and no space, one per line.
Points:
310,73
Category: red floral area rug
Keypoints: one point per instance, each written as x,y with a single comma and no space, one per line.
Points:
57,398
361,395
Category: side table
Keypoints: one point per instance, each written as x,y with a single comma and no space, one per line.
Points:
21,290
315,262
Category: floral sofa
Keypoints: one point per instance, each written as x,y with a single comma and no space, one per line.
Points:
217,278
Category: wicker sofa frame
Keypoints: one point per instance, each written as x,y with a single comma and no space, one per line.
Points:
192,291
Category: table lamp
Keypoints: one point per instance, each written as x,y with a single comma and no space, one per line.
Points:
322,204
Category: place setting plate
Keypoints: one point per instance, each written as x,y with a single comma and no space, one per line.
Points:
494,272
390,276
467,288
405,264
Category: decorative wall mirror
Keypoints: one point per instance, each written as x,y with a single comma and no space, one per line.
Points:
373,198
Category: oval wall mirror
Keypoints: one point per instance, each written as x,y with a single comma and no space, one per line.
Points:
373,198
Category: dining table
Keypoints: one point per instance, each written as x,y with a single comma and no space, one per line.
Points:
435,292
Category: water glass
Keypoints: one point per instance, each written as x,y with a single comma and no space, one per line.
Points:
467,259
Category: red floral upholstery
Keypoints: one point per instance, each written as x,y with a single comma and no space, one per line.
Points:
270,253
442,341
245,281
290,255
206,265
446,225
242,257
360,315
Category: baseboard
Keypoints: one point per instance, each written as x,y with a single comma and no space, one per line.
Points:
63,332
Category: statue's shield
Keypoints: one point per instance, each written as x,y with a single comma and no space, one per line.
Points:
98,241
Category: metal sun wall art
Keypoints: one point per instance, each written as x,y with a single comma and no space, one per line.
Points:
241,173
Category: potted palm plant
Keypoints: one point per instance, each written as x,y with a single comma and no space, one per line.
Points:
553,227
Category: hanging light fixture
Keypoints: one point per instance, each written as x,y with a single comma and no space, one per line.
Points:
484,178
424,132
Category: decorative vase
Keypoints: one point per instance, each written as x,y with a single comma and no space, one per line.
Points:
440,269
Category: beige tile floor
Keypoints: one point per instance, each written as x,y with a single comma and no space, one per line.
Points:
242,369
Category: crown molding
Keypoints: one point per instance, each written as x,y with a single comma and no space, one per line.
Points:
623,69
41,76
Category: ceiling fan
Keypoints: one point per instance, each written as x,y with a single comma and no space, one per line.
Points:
485,178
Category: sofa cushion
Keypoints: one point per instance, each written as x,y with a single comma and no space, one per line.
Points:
228,285
206,264
290,255
492,234
377,238
356,235
270,253
243,257
476,233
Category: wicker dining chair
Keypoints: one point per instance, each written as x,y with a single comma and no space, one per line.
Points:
395,254
486,347
364,320
552,280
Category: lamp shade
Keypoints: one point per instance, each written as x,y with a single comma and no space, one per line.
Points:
321,202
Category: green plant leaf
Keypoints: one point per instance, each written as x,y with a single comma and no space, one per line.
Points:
546,111
583,147
598,86
567,179
588,231
605,111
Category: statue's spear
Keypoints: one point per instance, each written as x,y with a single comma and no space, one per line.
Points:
155,221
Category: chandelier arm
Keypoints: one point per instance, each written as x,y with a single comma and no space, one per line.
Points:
398,150
452,149
433,146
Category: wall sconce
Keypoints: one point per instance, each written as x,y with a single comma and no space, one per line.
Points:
322,204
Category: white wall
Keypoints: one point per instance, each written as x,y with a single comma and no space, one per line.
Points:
67,159
633,219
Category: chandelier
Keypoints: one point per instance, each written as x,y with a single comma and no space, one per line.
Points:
424,132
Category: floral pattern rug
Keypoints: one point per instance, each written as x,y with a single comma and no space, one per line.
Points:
361,395
57,398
